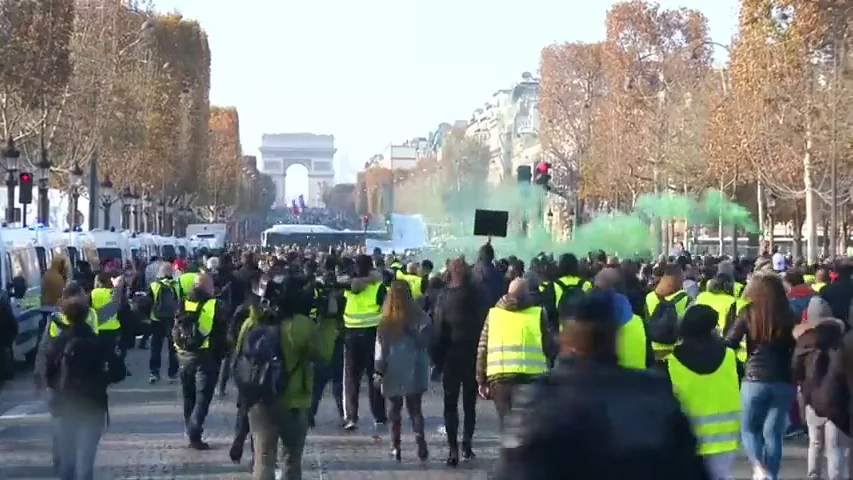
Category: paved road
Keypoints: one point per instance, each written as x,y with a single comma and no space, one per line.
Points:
146,441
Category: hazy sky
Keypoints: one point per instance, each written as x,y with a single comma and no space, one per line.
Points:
380,71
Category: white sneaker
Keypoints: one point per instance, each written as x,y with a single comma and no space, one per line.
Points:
758,473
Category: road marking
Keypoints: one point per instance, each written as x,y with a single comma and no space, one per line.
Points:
21,411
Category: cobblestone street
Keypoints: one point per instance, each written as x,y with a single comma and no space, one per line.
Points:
145,440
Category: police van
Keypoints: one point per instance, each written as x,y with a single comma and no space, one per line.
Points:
110,246
19,263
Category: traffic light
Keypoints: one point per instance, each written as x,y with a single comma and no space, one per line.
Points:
542,176
524,174
25,194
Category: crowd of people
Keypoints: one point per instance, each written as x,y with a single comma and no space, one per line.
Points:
316,216
603,367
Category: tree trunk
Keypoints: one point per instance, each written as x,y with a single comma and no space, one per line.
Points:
811,203
798,231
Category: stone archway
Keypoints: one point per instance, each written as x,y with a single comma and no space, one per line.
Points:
316,152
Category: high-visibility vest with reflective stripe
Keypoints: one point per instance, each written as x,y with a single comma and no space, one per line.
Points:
741,352
186,281
652,303
631,344
818,286
711,401
101,297
515,342
361,310
58,323
414,282
205,319
155,289
721,303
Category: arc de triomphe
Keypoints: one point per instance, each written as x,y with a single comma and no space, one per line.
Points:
316,152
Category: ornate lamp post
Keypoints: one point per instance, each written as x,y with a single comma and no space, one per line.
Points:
107,199
161,216
75,177
134,206
146,211
44,167
126,203
10,157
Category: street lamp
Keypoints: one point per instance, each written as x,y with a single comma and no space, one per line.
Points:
107,199
161,215
10,157
126,202
147,201
169,219
75,177
135,206
43,172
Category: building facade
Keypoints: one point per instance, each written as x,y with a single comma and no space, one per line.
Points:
315,152
509,125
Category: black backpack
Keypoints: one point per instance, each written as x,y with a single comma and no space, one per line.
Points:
186,332
81,365
572,295
662,325
166,302
259,371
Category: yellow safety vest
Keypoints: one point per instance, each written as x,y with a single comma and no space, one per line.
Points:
571,281
186,281
414,282
515,342
101,297
155,289
818,286
741,352
631,344
59,319
558,291
711,401
738,291
721,303
808,278
205,319
361,310
661,350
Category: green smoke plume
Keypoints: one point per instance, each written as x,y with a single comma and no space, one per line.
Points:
624,234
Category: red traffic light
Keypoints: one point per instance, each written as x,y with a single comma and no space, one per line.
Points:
26,177
543,167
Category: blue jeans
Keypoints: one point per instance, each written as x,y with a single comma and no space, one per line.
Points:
77,436
764,412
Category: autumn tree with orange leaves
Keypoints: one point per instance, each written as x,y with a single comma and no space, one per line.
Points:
221,171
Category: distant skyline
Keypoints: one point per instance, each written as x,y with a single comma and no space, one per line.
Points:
381,71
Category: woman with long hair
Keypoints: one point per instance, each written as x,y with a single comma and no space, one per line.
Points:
402,363
767,389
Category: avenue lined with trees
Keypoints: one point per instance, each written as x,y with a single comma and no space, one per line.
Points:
127,87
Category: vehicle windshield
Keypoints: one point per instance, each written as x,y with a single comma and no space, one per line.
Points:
168,251
105,254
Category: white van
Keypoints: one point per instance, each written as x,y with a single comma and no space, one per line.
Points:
168,247
110,245
148,247
18,258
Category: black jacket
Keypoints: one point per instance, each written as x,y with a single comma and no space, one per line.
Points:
766,362
839,295
458,316
591,418
95,399
815,373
